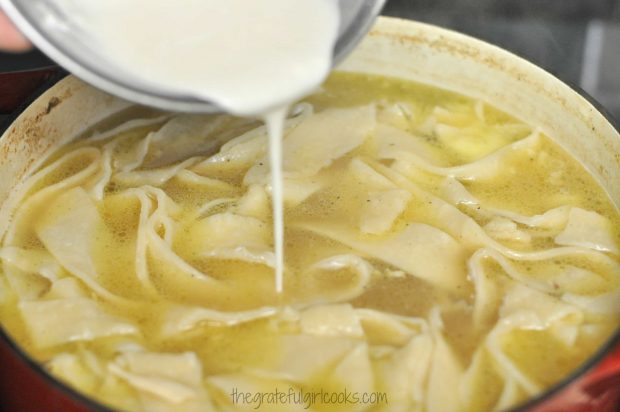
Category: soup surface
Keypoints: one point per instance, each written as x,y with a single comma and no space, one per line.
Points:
433,243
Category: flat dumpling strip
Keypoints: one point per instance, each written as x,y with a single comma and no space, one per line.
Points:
259,256
486,167
162,251
303,357
157,209
453,191
188,126
445,370
255,203
468,137
162,216
511,394
296,191
444,215
503,229
542,254
450,219
420,250
576,226
31,261
126,127
331,320
187,176
318,141
487,292
59,321
524,308
88,373
76,370
183,367
398,115
376,327
229,230
552,285
324,137
501,391
180,135
383,328
71,244
414,248
172,391
371,202
24,285
144,226
142,239
207,208
190,135
456,193
153,177
126,160
187,280
604,304
231,236
164,380
359,266
241,151
98,189
363,173
403,375
549,312
29,272
382,209
66,288
509,369
487,298
389,140
355,373
151,218
179,319
588,229
31,199
250,146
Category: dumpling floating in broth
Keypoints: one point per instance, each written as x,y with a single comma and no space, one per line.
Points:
431,242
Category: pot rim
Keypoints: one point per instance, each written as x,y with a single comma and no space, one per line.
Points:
82,400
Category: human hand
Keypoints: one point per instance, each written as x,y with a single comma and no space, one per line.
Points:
11,39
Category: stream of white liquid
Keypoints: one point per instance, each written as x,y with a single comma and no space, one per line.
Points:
249,57
275,126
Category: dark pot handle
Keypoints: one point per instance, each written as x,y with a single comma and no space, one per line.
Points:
16,87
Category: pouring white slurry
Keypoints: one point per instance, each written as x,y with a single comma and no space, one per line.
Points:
251,58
